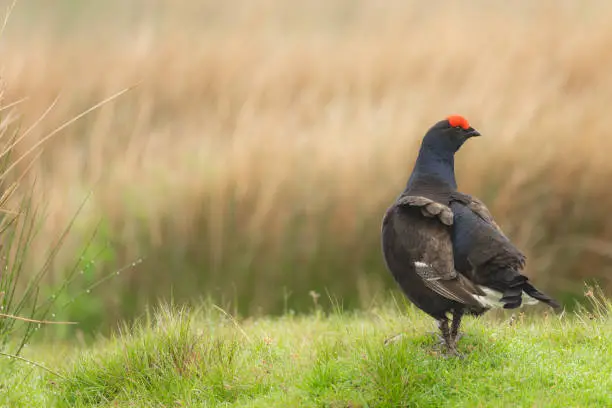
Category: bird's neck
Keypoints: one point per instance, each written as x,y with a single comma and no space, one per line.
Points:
436,167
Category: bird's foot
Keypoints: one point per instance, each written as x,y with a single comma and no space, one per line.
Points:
437,336
446,350
394,339
453,352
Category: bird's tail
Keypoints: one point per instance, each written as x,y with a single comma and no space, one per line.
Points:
529,289
513,294
513,286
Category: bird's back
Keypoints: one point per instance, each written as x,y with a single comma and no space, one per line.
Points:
477,241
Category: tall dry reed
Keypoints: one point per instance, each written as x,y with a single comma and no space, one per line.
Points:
264,140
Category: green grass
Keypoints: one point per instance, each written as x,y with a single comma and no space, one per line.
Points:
204,358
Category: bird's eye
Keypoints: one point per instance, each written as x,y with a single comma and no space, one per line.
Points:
458,127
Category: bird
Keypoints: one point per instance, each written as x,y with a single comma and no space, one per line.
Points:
443,247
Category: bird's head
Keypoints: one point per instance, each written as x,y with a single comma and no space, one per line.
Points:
448,135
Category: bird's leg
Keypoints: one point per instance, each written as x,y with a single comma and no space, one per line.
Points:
446,333
448,339
454,330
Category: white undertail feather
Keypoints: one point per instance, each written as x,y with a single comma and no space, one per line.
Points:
528,300
492,298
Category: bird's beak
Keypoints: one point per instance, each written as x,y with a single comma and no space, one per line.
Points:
471,132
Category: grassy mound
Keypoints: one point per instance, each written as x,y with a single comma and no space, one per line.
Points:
206,358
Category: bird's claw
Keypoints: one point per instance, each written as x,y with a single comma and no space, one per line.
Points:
453,352
446,350
438,336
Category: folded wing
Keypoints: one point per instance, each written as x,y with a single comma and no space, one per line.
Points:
417,241
484,253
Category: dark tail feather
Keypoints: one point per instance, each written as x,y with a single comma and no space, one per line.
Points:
513,294
536,294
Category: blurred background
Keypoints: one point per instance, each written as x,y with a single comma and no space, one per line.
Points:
254,158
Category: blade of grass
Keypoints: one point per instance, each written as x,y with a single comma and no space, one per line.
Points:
65,125
23,319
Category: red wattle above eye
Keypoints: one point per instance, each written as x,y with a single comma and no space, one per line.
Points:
458,120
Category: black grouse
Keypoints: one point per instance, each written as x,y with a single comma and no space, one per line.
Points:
443,247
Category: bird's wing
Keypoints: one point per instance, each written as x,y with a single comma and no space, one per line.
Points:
431,241
429,208
478,207
477,237
458,288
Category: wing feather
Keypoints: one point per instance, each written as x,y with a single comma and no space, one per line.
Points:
431,248
457,288
429,208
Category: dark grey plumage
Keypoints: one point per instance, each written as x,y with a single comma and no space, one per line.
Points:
443,248
486,256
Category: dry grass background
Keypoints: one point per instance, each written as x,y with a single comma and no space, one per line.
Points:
265,139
